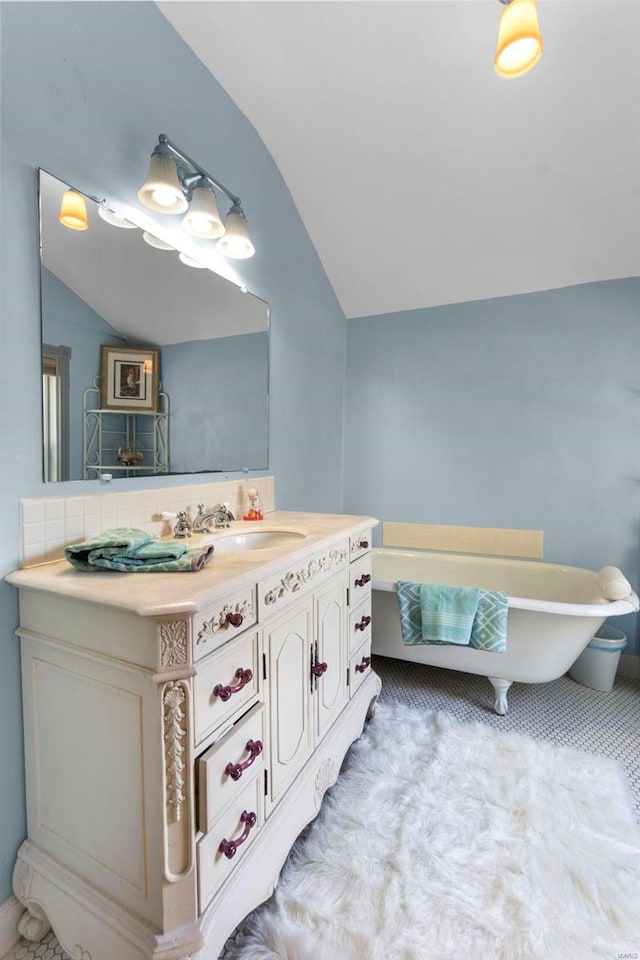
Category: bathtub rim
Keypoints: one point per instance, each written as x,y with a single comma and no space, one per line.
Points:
605,608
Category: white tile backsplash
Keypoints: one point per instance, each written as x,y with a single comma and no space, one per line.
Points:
51,523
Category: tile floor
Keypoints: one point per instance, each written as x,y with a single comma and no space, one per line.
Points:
562,712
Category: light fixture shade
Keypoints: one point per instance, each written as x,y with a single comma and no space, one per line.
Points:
190,262
202,219
236,242
114,219
73,211
156,242
162,190
519,44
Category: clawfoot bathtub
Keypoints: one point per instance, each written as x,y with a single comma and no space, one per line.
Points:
554,611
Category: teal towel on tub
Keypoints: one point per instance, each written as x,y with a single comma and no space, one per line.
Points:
489,630
447,613
130,550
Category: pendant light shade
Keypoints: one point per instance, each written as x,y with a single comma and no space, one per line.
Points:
162,190
203,219
519,40
236,242
73,211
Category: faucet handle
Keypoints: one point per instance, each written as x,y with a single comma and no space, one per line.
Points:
182,528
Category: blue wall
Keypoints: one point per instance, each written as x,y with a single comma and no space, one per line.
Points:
231,377
518,412
86,89
69,321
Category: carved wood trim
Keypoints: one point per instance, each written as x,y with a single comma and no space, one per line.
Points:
22,879
325,777
294,580
219,623
174,705
174,642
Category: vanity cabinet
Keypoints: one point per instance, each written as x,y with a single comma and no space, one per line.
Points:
180,732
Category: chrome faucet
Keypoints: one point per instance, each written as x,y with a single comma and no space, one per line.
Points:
220,516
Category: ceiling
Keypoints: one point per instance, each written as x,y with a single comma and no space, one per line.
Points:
421,177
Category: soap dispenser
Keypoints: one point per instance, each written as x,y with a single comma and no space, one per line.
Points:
254,511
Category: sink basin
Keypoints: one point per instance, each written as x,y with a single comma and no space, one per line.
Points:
256,540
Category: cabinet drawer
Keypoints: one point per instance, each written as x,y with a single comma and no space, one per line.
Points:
360,579
359,665
224,620
227,766
235,825
227,681
360,623
276,593
359,544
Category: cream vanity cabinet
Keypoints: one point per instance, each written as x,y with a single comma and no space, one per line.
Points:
180,731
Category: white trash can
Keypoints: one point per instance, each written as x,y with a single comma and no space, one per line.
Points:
597,664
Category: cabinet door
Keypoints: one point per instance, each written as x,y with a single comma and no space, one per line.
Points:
288,643
330,686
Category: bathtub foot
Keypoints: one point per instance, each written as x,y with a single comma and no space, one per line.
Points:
500,686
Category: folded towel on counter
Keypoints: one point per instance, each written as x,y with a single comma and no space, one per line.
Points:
489,628
447,613
135,551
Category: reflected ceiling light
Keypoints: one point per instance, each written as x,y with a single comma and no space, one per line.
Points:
156,242
175,182
113,218
73,211
202,219
520,43
190,262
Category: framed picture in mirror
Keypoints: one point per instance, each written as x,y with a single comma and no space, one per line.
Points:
129,379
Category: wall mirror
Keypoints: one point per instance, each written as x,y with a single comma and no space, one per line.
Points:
114,304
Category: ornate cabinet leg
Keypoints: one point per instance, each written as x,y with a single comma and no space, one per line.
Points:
500,686
33,927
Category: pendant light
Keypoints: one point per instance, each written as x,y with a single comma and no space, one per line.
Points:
73,211
520,43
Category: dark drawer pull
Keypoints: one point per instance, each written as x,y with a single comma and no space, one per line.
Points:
224,692
363,544
235,619
362,666
363,624
318,669
229,847
364,579
234,770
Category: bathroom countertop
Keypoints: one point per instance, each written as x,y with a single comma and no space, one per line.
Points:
159,594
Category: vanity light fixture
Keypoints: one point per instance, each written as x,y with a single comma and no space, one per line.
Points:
176,183
73,211
520,43
113,218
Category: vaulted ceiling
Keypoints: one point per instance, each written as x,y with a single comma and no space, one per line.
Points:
421,177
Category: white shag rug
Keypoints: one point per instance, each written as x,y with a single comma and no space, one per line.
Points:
445,840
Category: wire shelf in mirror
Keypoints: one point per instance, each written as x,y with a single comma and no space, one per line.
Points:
132,443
